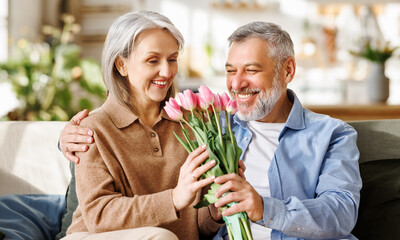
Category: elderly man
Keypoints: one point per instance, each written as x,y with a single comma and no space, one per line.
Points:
302,176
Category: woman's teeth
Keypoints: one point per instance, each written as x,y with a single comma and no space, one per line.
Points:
160,82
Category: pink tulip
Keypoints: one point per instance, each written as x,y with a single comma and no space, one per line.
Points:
188,100
174,103
225,99
218,104
231,107
173,110
201,103
206,94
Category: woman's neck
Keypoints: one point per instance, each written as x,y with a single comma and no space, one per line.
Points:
148,113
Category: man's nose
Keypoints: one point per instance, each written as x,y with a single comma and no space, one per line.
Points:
238,81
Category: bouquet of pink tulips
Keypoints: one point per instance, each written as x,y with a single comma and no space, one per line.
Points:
204,121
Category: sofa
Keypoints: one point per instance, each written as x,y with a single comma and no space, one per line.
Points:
34,178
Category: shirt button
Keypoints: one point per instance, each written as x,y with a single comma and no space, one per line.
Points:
298,228
270,221
155,149
152,134
245,138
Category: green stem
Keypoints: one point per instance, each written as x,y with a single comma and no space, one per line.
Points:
216,114
246,228
208,115
189,142
199,139
229,228
228,119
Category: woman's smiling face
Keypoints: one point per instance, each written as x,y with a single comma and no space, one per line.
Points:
151,66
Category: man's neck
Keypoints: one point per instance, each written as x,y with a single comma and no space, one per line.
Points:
280,112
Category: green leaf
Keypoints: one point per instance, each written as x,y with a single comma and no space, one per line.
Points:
208,198
219,149
192,145
200,135
231,157
185,145
195,122
202,203
210,127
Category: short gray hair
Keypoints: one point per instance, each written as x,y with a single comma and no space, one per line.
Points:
280,44
120,41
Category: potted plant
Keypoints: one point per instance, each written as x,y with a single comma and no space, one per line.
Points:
50,79
377,82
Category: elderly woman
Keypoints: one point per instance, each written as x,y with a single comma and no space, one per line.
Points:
135,181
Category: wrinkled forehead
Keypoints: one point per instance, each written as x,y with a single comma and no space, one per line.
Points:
252,51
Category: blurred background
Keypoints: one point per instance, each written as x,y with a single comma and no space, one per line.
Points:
348,64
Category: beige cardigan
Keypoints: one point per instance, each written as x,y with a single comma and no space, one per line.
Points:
125,179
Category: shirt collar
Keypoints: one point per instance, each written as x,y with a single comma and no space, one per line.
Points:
122,116
296,115
119,114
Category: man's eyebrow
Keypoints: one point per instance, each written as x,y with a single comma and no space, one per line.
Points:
253,64
245,65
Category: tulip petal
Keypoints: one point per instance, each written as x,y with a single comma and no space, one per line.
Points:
206,94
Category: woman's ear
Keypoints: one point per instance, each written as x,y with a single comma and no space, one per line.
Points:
120,65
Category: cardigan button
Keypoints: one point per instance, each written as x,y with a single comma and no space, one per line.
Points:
152,134
155,149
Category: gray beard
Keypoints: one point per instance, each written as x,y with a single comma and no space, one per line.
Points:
264,105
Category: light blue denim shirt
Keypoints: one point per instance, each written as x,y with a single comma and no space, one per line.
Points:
314,176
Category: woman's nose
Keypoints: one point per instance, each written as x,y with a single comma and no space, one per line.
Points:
166,70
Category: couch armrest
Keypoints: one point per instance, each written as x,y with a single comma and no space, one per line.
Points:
30,162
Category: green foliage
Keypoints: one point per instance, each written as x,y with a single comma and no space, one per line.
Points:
50,79
374,54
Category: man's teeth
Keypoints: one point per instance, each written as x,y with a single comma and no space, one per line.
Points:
160,82
245,95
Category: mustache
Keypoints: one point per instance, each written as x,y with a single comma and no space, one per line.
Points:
245,90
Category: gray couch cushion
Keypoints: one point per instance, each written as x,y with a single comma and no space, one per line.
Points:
378,139
71,203
379,212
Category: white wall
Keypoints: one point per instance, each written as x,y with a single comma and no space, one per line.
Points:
3,30
25,19
201,22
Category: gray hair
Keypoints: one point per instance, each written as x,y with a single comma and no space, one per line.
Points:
280,45
120,41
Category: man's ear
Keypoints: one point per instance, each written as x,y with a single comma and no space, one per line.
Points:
120,65
289,69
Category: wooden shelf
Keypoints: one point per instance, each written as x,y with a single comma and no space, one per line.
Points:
238,5
358,112
104,8
95,18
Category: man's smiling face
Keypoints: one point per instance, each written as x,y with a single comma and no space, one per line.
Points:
252,78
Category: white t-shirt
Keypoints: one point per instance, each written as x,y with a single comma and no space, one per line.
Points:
257,159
